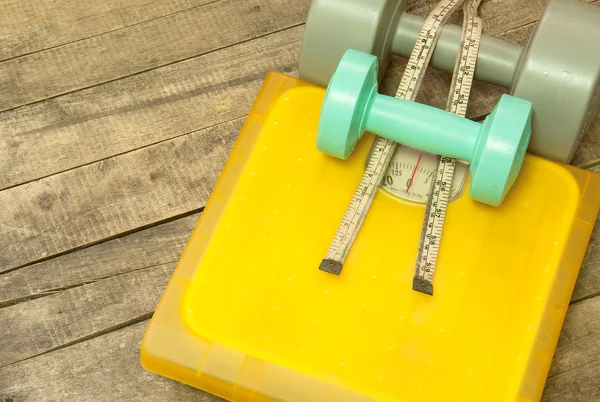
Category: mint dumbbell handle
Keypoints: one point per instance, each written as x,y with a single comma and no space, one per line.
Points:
423,127
497,60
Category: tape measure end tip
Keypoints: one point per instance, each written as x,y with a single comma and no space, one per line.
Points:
423,286
331,266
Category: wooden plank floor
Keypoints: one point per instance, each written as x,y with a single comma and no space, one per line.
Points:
116,117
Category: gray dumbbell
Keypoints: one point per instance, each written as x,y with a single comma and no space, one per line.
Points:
558,70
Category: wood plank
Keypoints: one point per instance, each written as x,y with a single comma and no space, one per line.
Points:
31,26
158,245
576,368
588,280
143,47
579,385
37,326
106,368
579,342
111,197
99,122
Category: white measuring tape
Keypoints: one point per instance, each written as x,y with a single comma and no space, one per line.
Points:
439,195
383,149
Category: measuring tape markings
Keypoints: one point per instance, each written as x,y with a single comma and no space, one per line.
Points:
384,148
439,195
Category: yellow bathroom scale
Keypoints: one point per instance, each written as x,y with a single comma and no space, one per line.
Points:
248,316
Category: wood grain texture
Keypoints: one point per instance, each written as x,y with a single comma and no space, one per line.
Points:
105,368
575,372
106,120
143,47
579,385
114,196
158,245
31,26
588,281
579,342
54,321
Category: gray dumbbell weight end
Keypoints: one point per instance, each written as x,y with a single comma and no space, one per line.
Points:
559,69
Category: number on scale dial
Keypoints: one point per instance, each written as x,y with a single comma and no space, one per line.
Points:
411,171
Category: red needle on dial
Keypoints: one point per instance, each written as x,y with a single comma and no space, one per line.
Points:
413,173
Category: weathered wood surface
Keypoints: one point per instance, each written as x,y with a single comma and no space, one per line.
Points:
33,26
118,117
158,245
93,124
116,195
105,368
142,47
58,320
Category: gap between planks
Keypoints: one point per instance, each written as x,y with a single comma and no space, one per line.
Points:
134,112
103,32
114,237
143,47
82,88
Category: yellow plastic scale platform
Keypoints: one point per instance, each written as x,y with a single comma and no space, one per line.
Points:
248,315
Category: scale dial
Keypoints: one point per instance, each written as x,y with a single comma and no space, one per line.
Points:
411,171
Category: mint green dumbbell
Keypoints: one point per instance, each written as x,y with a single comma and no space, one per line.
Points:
495,147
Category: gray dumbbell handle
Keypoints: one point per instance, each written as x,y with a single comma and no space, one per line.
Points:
496,63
